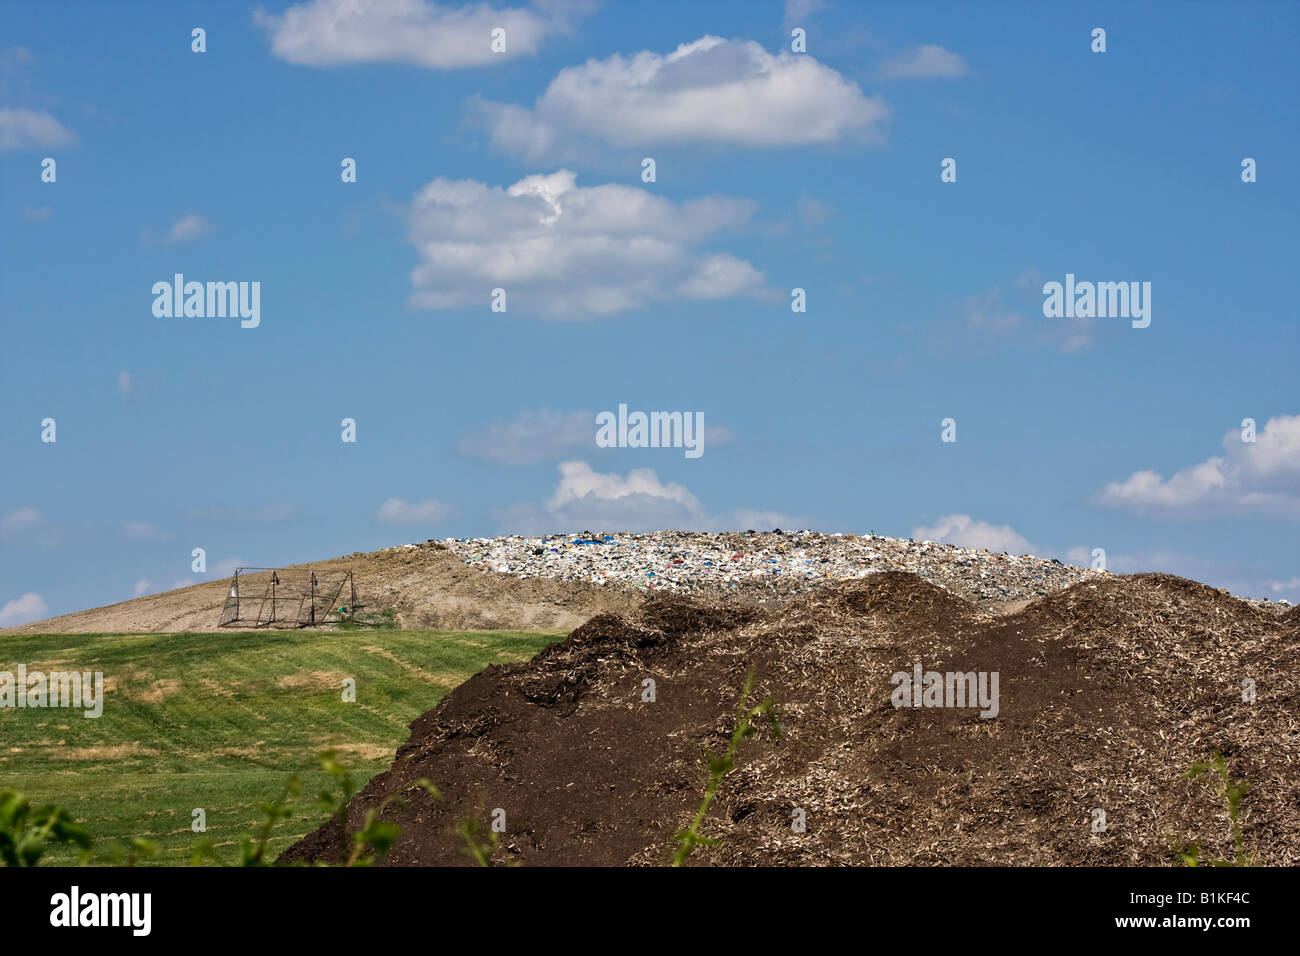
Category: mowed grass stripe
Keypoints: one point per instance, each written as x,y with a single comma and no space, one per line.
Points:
221,721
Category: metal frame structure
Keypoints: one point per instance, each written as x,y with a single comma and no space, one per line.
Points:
295,602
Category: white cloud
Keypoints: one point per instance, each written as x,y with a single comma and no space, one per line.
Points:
581,485
570,251
188,228
796,11
532,437
585,499
415,32
32,129
21,610
141,587
1292,585
20,520
1011,315
965,532
709,91
125,383
926,60
812,213
397,511
225,568
1262,477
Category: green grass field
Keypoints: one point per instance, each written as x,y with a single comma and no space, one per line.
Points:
220,721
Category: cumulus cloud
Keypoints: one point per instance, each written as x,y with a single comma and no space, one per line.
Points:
141,587
1261,477
570,251
589,497
709,91
926,60
398,511
585,499
20,520
22,610
965,532
188,228
415,32
32,129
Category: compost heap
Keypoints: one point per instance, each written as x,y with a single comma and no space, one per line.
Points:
1108,691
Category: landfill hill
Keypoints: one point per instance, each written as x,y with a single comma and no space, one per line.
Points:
1109,690
559,581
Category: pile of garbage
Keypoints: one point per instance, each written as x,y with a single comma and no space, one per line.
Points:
763,564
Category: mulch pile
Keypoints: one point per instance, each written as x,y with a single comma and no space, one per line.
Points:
1108,691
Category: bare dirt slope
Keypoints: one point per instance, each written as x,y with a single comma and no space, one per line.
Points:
427,586
1108,692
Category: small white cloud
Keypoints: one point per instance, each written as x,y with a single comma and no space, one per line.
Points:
20,520
709,91
1262,477
570,251
16,57
141,587
812,213
927,60
36,213
797,11
30,129
22,610
965,532
1292,585
125,383
188,228
397,511
585,499
415,32
225,568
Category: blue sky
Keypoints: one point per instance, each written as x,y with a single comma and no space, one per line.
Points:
522,170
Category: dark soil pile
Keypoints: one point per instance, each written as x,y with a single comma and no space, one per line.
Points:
1108,691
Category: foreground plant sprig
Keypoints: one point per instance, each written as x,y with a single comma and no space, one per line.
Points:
719,766
26,832
365,847
1232,791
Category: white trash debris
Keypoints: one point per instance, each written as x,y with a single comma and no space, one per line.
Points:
763,563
